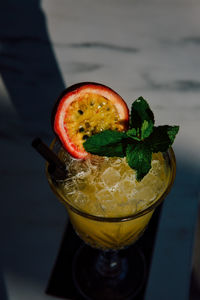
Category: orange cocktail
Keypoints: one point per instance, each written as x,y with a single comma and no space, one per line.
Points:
107,206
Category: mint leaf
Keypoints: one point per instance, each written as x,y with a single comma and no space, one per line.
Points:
132,133
142,118
172,132
107,143
162,138
138,157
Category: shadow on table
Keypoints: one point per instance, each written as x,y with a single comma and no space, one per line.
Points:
27,63
3,292
33,81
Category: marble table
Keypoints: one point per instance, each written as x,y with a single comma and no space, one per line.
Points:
149,48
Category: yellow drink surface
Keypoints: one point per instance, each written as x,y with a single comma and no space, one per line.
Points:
107,188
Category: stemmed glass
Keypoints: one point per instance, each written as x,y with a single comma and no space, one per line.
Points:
100,269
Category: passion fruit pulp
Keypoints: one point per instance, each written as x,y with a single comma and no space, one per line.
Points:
85,109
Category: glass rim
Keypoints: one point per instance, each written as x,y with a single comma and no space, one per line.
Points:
151,207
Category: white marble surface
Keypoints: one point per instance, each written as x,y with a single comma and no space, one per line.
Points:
149,48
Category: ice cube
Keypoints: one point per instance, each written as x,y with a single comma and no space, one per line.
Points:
127,186
103,195
81,199
141,205
129,207
146,194
79,168
110,177
68,186
155,168
80,183
128,173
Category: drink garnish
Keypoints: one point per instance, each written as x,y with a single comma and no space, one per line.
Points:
86,109
138,142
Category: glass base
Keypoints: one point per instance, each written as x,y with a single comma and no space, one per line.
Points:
95,280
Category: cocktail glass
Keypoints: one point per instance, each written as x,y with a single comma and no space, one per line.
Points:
101,270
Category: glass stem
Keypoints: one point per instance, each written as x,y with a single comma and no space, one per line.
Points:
109,263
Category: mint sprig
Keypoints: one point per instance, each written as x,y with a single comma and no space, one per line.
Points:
138,142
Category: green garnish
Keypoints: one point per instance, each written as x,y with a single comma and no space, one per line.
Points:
142,118
107,143
138,142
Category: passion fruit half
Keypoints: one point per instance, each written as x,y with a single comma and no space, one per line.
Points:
86,109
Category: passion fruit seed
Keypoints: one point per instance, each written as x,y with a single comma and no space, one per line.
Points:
85,137
81,129
80,112
87,124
